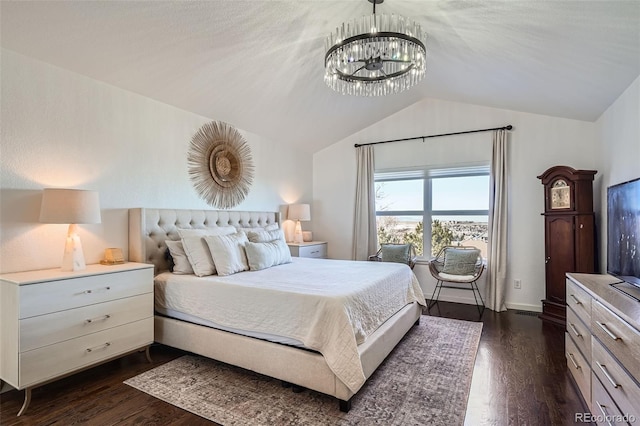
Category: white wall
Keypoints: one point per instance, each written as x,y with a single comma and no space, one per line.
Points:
536,143
619,134
61,129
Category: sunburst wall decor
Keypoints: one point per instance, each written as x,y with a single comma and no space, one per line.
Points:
220,165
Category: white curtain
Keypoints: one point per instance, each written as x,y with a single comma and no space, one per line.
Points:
365,236
497,256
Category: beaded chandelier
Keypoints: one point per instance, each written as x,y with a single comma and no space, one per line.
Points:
375,55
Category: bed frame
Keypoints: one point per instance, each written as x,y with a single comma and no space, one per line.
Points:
148,230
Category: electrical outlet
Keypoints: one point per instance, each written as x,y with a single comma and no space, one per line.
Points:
517,284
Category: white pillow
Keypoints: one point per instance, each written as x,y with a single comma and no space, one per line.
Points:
181,263
264,236
271,227
202,232
199,256
267,254
228,252
197,250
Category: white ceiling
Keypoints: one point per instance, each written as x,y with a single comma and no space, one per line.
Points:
259,64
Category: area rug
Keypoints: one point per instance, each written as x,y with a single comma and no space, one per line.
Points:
424,381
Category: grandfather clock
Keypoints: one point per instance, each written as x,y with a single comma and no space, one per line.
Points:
569,234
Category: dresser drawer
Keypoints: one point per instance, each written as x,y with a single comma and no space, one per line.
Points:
579,333
319,250
51,361
605,411
580,301
618,383
579,369
43,330
621,339
311,250
54,296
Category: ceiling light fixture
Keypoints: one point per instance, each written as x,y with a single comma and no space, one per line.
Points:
375,55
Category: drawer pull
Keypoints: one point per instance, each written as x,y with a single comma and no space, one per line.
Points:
575,299
575,331
607,375
102,318
604,412
573,360
95,348
606,330
315,251
97,290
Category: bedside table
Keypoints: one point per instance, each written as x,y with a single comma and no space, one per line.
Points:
317,249
54,323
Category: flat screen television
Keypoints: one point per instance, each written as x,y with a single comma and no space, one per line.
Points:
623,231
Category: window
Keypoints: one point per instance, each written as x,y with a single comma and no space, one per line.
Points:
454,202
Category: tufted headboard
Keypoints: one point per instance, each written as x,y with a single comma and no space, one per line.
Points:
149,228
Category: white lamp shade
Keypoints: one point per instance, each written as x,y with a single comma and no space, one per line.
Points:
299,212
69,206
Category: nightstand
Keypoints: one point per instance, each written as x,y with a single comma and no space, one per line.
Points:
54,323
317,249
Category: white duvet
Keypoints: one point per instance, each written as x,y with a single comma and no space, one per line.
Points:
331,306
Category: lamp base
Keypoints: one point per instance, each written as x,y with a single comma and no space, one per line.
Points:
73,259
297,235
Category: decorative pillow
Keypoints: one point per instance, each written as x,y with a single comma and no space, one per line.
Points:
460,261
169,259
271,227
197,250
228,252
181,263
265,236
203,232
399,253
267,254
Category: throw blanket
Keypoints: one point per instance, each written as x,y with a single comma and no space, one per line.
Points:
331,306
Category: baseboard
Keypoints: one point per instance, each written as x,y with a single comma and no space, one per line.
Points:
523,307
457,299
510,306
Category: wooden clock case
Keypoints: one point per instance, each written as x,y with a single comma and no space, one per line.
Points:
569,230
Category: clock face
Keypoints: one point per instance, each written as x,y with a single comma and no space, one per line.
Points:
560,195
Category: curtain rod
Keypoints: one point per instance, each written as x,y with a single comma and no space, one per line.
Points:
508,127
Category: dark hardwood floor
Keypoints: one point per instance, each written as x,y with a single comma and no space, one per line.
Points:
520,378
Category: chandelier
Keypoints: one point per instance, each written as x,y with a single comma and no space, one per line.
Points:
375,55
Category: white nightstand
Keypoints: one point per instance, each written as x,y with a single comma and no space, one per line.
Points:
54,323
317,249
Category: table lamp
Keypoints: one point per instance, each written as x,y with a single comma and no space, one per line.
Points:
70,206
299,212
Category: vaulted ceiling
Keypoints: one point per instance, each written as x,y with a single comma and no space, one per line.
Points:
259,64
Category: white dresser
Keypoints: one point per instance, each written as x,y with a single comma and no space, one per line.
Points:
603,347
54,323
317,249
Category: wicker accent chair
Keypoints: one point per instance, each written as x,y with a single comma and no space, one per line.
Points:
459,267
399,253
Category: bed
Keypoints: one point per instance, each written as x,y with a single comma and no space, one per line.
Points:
278,339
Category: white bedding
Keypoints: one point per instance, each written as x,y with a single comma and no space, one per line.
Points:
331,306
